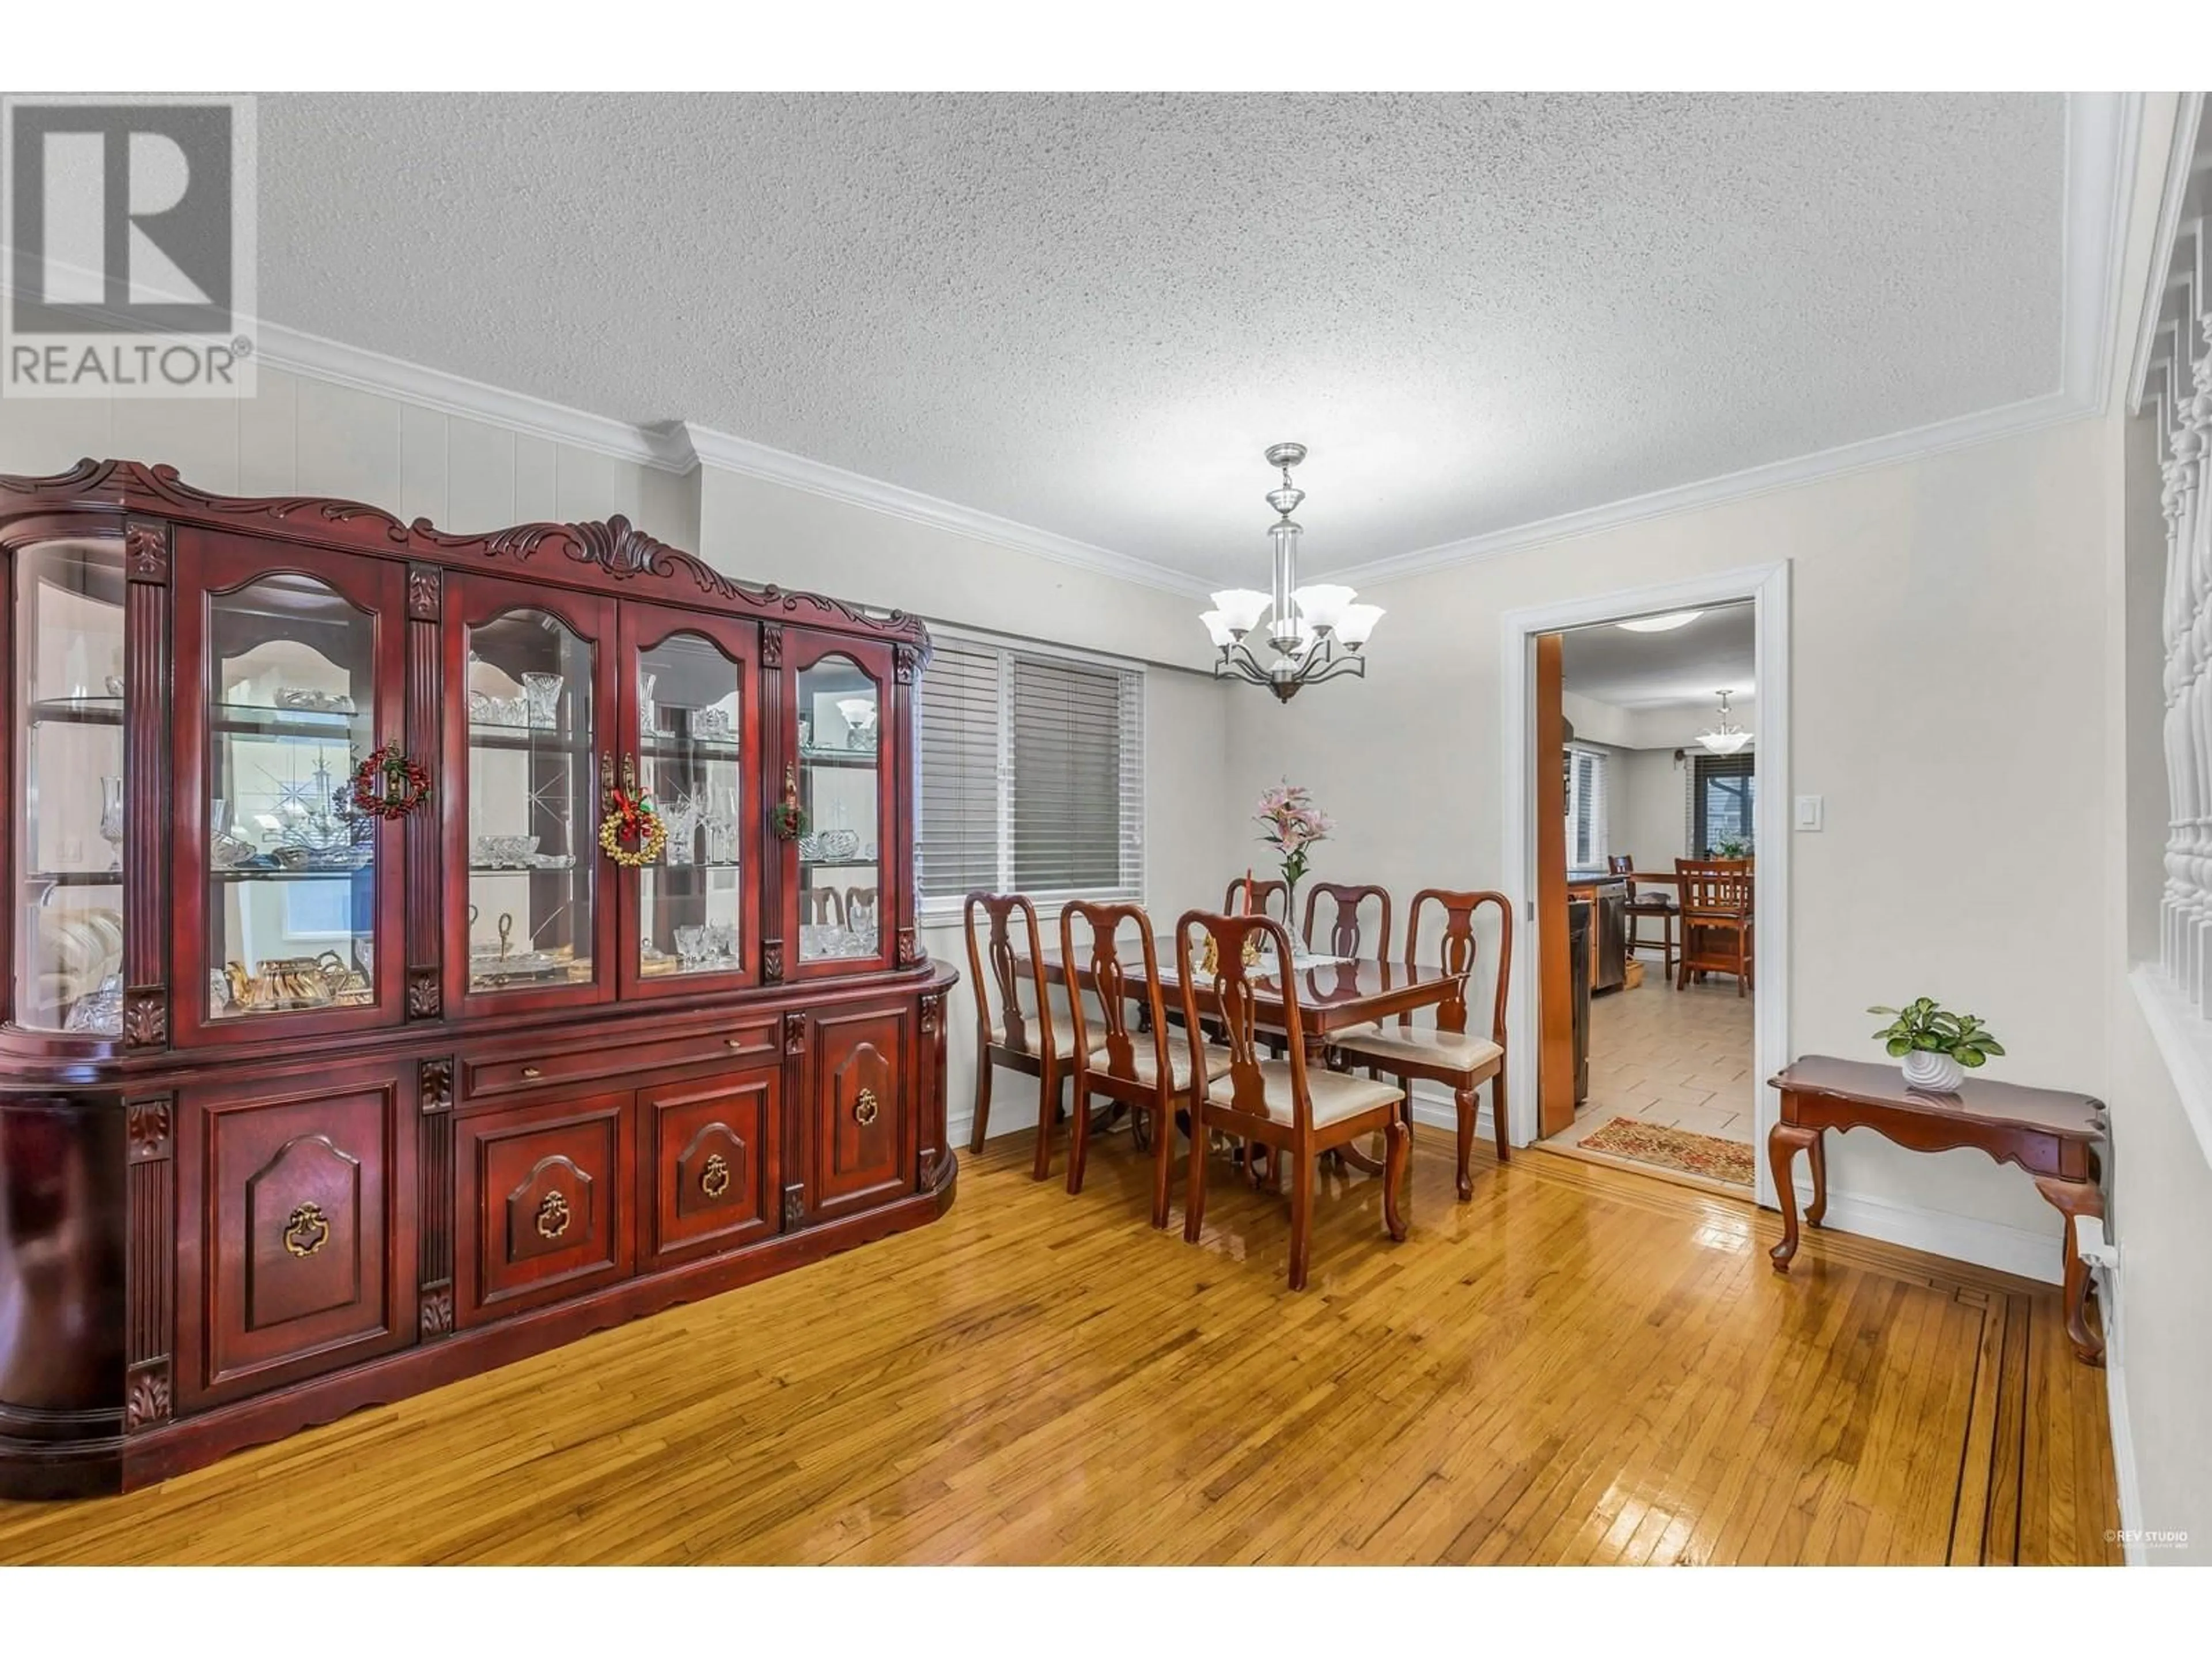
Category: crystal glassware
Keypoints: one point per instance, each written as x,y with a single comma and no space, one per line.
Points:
542,694
681,819
111,816
690,945
647,713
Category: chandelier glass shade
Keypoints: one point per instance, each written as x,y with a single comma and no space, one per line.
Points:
1728,736
1313,633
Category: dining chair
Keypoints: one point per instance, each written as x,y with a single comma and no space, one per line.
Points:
1719,925
1144,1066
1036,1041
1277,1103
822,905
1269,898
1659,904
1447,1052
1346,938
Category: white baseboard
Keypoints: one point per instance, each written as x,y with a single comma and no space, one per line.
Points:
2009,1249
2123,1463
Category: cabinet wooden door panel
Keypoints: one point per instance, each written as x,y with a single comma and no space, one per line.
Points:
708,1154
297,1189
862,1129
543,1191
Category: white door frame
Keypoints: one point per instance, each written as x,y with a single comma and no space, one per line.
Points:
1768,588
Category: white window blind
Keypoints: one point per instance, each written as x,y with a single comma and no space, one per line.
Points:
1586,824
1031,774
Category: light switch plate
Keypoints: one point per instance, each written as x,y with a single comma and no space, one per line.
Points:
1808,811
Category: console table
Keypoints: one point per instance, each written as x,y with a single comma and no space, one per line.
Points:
2050,1133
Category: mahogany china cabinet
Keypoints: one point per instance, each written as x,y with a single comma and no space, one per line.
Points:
424,949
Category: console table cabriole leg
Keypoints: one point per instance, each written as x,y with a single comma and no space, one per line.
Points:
2073,1198
1783,1145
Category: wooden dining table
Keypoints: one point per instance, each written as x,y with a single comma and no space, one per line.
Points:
1332,996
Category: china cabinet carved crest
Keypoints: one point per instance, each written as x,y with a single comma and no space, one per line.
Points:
425,949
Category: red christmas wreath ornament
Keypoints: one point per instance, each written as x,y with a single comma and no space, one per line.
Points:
390,784
631,833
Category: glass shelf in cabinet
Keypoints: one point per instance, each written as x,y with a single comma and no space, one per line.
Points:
540,739
73,879
78,711
838,757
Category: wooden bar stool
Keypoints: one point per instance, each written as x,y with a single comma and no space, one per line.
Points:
1661,905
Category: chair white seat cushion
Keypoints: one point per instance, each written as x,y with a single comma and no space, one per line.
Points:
1145,1068
1062,1038
1424,1045
1334,1094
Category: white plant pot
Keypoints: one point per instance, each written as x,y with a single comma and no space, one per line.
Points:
1937,1073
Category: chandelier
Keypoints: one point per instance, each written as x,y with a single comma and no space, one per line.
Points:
1727,737
1306,626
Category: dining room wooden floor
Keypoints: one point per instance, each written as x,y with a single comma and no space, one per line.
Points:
1580,1365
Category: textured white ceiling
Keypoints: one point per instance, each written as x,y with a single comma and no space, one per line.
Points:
1090,314
1685,665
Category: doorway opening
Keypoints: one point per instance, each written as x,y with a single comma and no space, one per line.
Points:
1649,828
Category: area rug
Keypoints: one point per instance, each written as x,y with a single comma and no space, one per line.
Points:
1673,1149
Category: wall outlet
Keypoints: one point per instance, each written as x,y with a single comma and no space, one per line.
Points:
1808,811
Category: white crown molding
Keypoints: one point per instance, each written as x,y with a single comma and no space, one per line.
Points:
2102,131
2180,161
732,454
338,364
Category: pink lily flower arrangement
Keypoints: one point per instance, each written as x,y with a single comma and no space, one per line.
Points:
1291,823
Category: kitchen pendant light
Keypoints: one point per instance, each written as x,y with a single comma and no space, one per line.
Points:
1727,737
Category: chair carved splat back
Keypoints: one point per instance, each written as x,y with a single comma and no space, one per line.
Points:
1345,937
1231,997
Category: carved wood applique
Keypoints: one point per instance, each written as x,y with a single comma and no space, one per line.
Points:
146,1016
147,1123
425,592
905,659
146,1405
437,1084
772,645
794,1205
423,1001
435,1312
146,550
794,1033
772,961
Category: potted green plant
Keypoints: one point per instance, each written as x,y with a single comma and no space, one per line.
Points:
1731,847
1937,1046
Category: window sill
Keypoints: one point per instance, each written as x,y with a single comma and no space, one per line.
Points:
2185,1043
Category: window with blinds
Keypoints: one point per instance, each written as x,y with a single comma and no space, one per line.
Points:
1031,774
1586,825
1724,802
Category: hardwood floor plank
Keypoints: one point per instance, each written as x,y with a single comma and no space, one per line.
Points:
1580,1365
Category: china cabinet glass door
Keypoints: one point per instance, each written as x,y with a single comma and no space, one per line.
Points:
690,687
294,891
838,697
526,718
68,786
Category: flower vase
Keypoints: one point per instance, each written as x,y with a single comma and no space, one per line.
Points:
1932,1073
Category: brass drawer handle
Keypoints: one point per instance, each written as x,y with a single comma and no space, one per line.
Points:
532,1070
863,1109
715,1179
735,1045
306,1230
553,1216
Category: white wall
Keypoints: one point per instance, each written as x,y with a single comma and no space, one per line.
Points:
1942,607
1649,826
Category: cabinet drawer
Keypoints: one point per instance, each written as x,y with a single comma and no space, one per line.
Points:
862,1122
543,1195
707,1162
298,1186
744,1042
